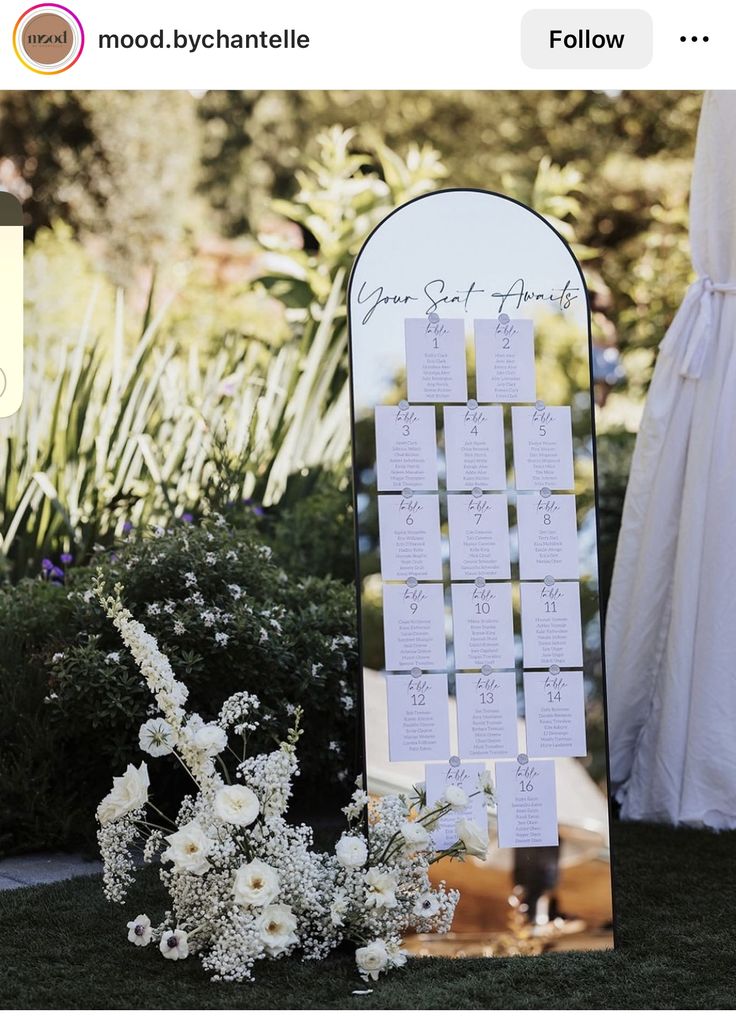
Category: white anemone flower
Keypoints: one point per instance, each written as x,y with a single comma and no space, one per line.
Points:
174,945
140,931
426,905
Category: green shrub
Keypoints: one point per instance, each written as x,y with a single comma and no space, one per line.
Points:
229,618
39,801
311,531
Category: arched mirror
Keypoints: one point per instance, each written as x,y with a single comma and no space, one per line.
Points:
478,580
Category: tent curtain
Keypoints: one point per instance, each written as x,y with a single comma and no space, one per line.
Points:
671,622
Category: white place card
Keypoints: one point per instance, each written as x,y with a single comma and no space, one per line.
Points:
435,360
418,717
483,626
548,536
543,447
504,360
555,714
475,450
486,715
410,541
406,448
468,777
550,625
526,804
414,627
479,537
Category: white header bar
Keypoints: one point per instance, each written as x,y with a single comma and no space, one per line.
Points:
382,44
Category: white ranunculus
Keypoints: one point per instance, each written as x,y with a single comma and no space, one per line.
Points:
426,905
140,931
174,945
256,884
381,889
371,959
351,851
210,739
156,737
129,792
474,838
456,797
277,928
415,836
188,849
236,804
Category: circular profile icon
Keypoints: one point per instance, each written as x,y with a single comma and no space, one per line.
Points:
48,38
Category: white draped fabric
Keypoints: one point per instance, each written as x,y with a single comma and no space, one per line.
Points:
671,623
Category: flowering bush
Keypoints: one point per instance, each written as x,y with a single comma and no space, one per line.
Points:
244,883
229,618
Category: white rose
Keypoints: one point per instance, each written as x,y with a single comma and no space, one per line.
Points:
351,851
277,928
236,804
371,959
210,739
456,797
188,849
129,792
473,837
415,836
156,737
174,945
140,931
381,892
256,884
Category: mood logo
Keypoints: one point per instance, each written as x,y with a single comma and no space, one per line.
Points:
48,38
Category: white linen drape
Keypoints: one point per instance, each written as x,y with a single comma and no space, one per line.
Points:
671,622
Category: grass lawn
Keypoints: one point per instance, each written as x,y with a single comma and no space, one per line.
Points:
64,946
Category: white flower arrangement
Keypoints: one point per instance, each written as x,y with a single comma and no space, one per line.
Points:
245,884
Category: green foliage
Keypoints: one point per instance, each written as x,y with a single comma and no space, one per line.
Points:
119,167
122,427
127,433
312,535
39,796
229,618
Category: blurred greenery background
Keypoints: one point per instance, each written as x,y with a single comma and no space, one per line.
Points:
187,261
